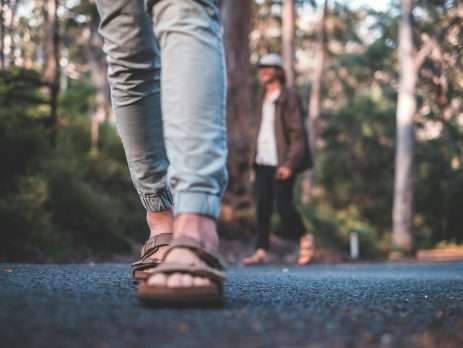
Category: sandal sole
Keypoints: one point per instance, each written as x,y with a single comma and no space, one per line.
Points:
183,297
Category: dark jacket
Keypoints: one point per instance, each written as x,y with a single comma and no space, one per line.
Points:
291,138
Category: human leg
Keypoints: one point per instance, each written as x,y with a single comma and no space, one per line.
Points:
134,74
285,206
263,192
193,102
292,220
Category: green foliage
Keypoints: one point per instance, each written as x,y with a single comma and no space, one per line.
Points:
439,194
355,168
355,165
60,203
76,100
64,202
25,223
27,232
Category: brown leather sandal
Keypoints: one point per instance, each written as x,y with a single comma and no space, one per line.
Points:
147,260
211,294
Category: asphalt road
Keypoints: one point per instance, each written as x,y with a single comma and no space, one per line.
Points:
380,305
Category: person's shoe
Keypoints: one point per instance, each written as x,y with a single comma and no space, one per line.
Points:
259,258
307,250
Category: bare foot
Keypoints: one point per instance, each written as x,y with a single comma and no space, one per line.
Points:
193,226
158,223
260,256
307,249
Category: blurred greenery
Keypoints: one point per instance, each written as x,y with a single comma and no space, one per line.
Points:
64,202
75,199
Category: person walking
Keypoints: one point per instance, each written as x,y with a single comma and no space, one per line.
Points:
177,156
280,152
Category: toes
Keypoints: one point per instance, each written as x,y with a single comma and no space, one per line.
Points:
198,281
187,280
157,279
203,281
175,280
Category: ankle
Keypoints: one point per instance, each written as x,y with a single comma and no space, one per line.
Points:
160,222
196,226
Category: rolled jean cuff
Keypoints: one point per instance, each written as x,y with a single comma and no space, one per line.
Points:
197,203
157,202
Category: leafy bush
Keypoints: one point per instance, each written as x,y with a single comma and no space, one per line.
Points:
356,166
60,203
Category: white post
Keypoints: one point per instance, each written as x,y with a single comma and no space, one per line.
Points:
354,246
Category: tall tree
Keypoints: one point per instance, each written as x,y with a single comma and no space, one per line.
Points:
410,63
287,38
92,43
52,72
2,35
9,35
13,32
316,89
237,26
315,100
405,137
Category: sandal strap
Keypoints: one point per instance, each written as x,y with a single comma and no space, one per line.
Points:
150,247
145,264
156,242
202,249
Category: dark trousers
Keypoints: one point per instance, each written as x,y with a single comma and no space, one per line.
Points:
267,191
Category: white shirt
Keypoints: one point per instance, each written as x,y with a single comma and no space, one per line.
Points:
266,140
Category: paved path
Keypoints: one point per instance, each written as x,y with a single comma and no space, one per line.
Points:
385,305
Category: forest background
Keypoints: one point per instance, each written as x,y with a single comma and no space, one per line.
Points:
383,90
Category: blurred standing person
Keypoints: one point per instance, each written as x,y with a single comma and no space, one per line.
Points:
280,153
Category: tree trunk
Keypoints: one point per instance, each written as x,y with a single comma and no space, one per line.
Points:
2,35
9,32
315,102
287,37
237,26
98,68
402,235
52,72
13,32
316,90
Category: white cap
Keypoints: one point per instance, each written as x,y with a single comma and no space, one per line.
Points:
271,59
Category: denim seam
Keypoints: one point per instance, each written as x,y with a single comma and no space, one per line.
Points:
157,202
198,202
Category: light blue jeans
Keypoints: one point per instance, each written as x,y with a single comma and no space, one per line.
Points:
181,149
